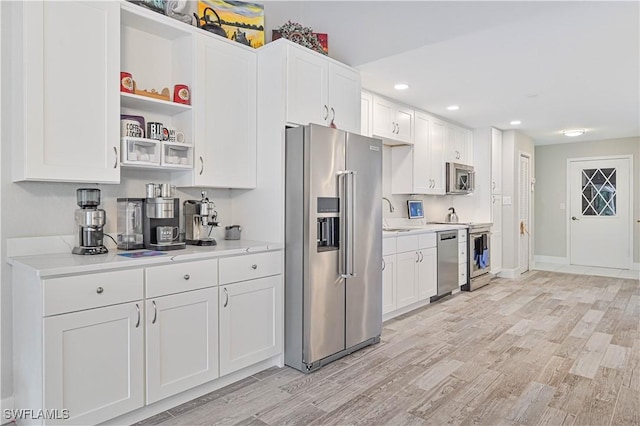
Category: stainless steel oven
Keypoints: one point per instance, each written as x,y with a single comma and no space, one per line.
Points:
479,251
460,178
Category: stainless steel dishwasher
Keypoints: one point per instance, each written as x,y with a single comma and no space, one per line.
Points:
447,262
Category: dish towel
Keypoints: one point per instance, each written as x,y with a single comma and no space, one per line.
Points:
481,252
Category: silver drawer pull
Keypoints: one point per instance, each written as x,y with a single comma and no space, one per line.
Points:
155,312
99,290
254,266
186,276
138,309
226,302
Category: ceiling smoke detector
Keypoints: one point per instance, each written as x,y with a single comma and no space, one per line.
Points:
573,132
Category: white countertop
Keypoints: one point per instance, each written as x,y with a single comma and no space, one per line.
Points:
419,228
49,265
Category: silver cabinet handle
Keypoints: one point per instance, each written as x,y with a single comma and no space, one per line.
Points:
138,309
398,130
155,312
186,277
226,301
574,218
99,290
494,185
254,266
421,257
115,164
384,264
333,114
201,165
417,257
326,112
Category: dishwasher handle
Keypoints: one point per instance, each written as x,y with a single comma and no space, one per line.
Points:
447,236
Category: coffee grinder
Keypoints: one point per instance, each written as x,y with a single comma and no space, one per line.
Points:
199,220
90,220
161,219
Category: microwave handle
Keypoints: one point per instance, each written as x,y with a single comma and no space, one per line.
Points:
472,180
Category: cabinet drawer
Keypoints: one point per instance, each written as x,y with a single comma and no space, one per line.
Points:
462,235
462,252
407,243
388,246
427,240
179,277
462,273
89,291
251,266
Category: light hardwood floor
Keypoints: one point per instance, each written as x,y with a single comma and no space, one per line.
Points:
549,348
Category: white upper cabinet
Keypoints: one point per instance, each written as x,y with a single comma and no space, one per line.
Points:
419,169
366,113
392,122
321,91
459,145
496,161
68,81
226,111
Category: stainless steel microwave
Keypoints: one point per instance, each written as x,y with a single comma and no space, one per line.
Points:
460,178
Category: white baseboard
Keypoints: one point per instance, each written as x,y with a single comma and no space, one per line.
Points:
5,404
509,273
551,259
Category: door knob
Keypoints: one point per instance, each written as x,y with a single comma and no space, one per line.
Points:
574,218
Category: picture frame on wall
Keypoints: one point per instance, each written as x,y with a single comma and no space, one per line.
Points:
242,21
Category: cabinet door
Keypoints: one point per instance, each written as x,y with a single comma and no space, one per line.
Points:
71,61
404,124
437,144
388,284
94,362
463,141
366,112
496,161
225,145
250,322
428,273
422,182
406,278
307,87
383,118
344,98
182,342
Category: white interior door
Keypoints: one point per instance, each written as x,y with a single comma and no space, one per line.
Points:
524,203
599,206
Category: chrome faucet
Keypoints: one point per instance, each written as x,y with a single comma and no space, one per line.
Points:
391,208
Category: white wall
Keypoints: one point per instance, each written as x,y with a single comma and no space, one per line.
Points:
551,190
513,143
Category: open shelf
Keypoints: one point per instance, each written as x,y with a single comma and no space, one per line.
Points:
145,103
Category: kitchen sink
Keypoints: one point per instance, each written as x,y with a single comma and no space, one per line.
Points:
396,229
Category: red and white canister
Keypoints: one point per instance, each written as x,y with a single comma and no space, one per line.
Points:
181,94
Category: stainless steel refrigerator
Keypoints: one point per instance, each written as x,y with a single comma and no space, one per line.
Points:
333,253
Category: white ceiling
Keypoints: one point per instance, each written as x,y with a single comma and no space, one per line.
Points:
553,65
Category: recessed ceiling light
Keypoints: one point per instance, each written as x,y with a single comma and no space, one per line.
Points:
573,132
453,107
401,86
515,122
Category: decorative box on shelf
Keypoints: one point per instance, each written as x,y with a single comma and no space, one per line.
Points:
176,154
140,151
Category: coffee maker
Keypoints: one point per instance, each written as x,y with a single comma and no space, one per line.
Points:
161,219
90,220
199,220
130,235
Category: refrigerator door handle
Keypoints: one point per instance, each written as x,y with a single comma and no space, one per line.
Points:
344,243
353,224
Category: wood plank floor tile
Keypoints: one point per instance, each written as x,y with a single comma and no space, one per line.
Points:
547,348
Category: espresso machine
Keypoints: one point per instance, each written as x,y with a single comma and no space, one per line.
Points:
130,236
199,220
161,219
90,220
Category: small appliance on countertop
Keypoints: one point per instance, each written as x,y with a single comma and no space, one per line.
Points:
130,236
232,232
200,218
451,217
90,220
161,218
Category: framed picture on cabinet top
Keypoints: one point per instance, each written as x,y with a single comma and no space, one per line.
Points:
242,21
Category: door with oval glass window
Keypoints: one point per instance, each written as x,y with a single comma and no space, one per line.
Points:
599,212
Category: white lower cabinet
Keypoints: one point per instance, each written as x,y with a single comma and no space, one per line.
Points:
407,278
389,283
94,363
249,322
428,273
182,342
